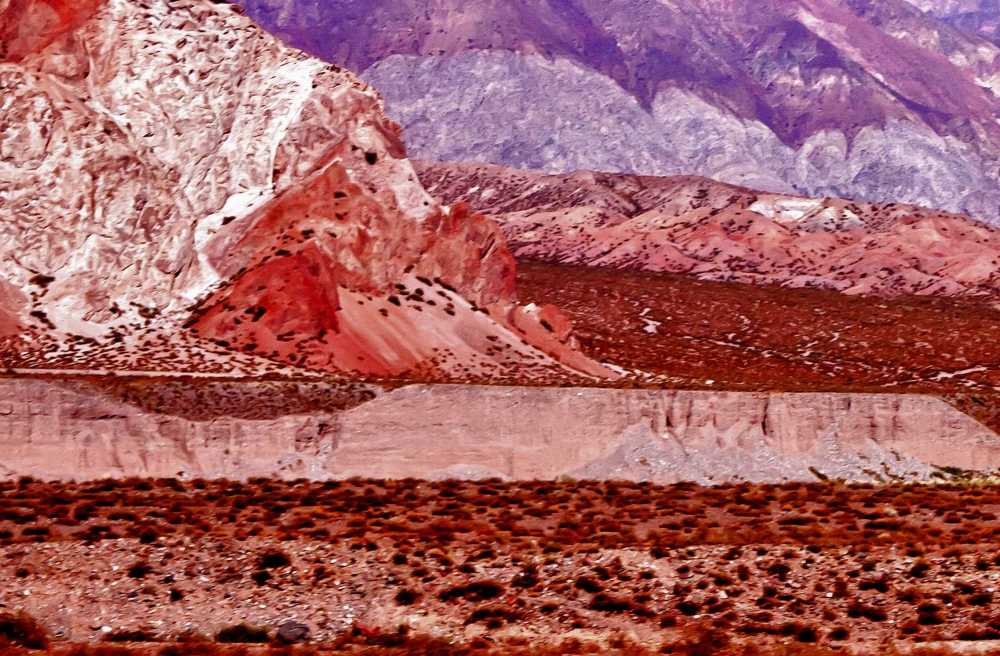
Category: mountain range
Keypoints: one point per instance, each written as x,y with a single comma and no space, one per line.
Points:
980,17
715,231
873,101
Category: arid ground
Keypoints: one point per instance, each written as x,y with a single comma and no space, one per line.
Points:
450,567
682,332
488,565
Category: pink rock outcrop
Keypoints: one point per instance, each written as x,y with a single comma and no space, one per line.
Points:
722,232
65,429
29,26
160,158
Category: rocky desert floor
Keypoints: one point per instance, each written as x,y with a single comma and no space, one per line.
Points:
166,566
463,567
673,330
659,329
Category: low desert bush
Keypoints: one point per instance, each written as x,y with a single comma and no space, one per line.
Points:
21,630
242,633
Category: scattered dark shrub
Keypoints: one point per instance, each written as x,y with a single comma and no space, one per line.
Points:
242,633
477,590
930,614
139,570
839,633
857,609
21,630
272,559
136,635
605,603
688,607
406,597
494,616
588,584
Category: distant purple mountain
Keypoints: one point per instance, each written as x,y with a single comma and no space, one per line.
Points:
868,99
980,17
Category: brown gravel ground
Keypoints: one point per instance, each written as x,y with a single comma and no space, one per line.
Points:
376,566
681,332
409,567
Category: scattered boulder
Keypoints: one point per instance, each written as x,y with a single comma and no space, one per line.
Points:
291,632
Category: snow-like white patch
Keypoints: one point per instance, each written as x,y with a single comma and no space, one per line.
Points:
787,210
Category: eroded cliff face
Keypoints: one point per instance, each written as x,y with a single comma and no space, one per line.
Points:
715,231
51,429
874,101
160,158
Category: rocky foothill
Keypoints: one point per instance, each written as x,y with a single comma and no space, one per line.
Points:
715,231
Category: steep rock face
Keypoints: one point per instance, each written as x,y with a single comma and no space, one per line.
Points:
874,101
57,430
156,156
721,232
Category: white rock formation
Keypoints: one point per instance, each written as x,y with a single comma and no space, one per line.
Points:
159,158
129,142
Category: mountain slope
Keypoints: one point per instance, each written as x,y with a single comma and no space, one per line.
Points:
720,232
159,158
873,101
980,17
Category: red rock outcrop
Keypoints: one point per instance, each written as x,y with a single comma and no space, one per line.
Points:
12,303
721,232
29,26
159,157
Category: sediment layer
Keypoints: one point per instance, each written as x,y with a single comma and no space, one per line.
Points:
63,430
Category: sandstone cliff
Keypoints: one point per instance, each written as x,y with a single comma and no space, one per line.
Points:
721,232
163,157
874,101
76,430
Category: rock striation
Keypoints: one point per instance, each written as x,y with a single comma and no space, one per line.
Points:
716,231
160,159
873,101
59,429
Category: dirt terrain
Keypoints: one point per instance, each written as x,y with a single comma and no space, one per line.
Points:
696,334
496,567
494,563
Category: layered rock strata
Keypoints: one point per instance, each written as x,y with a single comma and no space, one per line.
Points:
54,430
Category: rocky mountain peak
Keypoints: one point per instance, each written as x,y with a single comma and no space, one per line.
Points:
155,154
